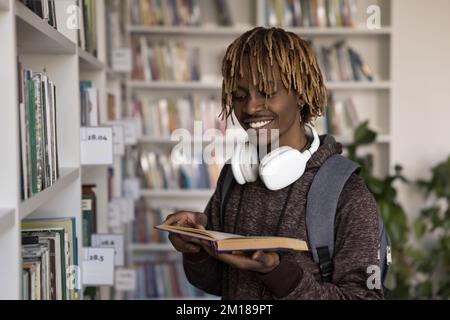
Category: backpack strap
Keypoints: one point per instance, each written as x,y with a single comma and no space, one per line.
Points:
226,187
321,208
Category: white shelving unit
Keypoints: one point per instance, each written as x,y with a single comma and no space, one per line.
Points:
37,45
198,85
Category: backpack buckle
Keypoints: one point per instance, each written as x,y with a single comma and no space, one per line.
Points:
325,264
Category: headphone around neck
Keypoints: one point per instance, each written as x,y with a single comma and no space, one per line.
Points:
278,169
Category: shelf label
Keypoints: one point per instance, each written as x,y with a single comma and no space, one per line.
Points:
121,60
98,266
130,132
96,145
126,206
114,219
125,280
114,241
118,140
131,188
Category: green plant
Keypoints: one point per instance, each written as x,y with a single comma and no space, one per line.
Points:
421,254
433,228
394,216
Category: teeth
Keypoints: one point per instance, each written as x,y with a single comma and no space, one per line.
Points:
258,124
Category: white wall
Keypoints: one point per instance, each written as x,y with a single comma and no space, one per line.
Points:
421,93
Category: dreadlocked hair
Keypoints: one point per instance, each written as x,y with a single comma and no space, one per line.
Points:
296,61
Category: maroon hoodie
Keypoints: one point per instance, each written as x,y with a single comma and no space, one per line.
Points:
254,210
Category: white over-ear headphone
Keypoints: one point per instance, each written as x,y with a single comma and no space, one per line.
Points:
278,169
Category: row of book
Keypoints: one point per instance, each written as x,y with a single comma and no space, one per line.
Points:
87,32
114,19
38,131
311,13
89,109
50,259
163,280
340,62
340,118
158,171
174,62
46,9
164,61
160,117
165,12
145,220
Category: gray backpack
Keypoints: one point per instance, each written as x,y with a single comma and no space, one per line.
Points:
321,208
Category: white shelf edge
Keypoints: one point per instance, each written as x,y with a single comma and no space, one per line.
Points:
67,176
4,5
172,85
381,139
190,193
198,85
151,247
236,31
89,62
7,219
358,85
43,34
207,30
349,31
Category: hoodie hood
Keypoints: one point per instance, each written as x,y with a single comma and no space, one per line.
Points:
328,147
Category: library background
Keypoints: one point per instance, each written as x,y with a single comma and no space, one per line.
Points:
93,90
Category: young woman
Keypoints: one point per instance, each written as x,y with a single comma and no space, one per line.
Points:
271,80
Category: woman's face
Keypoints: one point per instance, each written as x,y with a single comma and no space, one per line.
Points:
281,114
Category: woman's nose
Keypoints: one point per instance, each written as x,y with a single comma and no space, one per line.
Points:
255,103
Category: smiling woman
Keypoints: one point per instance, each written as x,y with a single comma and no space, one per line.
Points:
271,81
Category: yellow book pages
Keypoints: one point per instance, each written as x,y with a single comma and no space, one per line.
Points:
227,242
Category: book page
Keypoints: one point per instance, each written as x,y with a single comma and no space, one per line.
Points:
198,232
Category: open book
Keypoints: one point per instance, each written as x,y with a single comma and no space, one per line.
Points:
232,243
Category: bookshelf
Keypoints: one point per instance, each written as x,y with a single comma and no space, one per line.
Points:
39,46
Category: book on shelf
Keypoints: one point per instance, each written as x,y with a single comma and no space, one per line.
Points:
165,13
45,9
161,117
146,219
310,13
87,32
163,279
224,17
340,118
38,131
340,62
89,212
159,171
172,61
222,242
90,106
49,254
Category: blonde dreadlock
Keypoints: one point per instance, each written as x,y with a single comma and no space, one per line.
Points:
298,68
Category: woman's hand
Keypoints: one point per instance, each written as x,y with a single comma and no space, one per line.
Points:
183,243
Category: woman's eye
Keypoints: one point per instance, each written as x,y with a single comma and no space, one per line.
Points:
238,98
